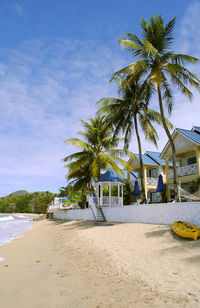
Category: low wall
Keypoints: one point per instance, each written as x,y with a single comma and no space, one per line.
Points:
75,214
163,213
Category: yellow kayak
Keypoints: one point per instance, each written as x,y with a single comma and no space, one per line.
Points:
186,230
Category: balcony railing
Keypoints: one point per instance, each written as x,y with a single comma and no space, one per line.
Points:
150,181
182,171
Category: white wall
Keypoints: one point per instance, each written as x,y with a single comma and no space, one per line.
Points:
75,214
163,213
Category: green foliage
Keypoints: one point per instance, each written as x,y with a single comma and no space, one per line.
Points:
37,202
96,154
76,197
160,68
19,193
127,194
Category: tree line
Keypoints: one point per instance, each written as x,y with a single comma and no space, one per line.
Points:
27,203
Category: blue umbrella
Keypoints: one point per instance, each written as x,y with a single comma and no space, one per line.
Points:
64,198
160,186
136,188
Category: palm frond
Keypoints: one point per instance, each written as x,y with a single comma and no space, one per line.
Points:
78,143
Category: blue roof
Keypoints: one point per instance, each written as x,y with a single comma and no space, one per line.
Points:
156,157
133,175
146,159
190,134
110,176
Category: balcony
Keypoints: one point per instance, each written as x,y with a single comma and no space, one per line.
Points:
182,171
150,181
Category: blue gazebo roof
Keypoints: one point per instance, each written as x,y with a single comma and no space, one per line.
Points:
110,176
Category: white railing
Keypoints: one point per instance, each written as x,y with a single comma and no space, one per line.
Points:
54,206
182,171
91,201
106,201
152,181
114,201
60,206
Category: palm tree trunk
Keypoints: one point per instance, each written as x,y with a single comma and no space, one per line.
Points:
171,143
140,158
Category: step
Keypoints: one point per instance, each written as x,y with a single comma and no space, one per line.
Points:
99,215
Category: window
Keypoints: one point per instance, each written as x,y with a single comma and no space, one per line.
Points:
190,161
152,173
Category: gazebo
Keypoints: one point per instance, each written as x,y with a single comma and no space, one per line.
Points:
110,179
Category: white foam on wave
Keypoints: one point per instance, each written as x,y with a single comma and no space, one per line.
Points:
6,218
19,216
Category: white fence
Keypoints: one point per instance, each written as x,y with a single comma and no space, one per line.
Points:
182,171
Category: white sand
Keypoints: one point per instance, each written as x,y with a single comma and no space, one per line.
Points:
85,264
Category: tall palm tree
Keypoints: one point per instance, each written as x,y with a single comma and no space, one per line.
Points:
130,110
96,154
161,67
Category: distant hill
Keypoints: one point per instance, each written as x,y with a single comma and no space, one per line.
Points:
19,193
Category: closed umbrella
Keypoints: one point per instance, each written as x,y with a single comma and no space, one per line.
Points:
160,186
136,189
94,198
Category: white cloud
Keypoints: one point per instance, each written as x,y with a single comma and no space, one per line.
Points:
46,88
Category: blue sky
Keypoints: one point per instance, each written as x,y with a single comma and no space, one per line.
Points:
56,58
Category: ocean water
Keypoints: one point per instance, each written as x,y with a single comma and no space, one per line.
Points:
12,225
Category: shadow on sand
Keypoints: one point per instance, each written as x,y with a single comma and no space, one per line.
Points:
82,224
180,244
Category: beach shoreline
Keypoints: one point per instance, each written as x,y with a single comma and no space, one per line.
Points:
88,264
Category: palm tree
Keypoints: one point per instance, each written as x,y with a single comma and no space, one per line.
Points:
160,67
96,154
130,110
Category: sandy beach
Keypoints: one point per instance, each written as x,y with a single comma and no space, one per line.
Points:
72,264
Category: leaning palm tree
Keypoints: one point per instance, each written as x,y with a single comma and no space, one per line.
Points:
97,153
159,66
130,110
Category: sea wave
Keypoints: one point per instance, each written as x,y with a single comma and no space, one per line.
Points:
5,218
20,216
